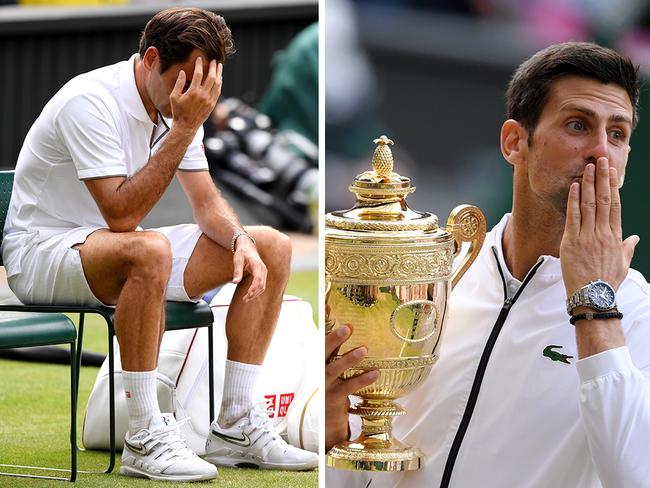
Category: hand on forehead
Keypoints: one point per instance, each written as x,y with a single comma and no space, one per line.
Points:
197,65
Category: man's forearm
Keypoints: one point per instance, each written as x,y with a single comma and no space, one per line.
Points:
138,194
598,335
218,220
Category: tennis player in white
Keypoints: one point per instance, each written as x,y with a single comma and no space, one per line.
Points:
95,162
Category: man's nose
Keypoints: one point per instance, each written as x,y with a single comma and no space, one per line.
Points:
598,146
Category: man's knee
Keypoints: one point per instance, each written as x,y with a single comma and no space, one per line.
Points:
274,248
150,254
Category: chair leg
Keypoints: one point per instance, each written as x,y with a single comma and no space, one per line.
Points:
74,389
211,371
80,339
111,391
111,394
74,394
111,382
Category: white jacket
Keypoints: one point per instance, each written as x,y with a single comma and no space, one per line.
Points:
531,416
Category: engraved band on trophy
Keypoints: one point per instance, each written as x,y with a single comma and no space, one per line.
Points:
389,271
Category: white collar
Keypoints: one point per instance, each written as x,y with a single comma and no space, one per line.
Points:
129,92
549,270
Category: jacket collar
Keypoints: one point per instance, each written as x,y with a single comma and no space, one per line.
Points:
550,268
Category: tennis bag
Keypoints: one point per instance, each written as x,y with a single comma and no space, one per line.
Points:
289,380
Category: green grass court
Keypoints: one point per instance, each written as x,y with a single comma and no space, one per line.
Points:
34,413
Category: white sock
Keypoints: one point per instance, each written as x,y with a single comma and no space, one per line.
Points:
238,391
141,398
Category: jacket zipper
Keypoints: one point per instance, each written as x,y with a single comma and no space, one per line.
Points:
482,366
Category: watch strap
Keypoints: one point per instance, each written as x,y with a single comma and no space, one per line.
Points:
576,299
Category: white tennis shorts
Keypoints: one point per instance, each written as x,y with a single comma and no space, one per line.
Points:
52,273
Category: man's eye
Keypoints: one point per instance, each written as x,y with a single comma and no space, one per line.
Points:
617,134
576,125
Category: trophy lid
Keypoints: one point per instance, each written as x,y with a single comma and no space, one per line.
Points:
381,199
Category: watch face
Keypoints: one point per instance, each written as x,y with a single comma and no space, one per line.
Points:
602,295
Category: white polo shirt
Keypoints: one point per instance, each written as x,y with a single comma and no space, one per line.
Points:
95,126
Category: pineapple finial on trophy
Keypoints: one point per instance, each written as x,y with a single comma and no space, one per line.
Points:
382,159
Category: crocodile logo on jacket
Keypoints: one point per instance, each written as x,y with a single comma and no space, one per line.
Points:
549,352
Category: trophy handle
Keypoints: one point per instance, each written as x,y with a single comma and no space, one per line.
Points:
467,224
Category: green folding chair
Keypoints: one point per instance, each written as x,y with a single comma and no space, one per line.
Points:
38,329
178,316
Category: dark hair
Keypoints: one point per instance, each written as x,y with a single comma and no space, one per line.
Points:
530,85
176,32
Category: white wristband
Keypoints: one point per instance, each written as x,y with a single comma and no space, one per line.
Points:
236,236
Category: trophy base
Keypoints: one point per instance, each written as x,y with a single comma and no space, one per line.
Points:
358,456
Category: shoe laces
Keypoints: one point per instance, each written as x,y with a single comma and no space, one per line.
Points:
170,439
258,418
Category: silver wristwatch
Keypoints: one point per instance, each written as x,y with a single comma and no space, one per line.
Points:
598,295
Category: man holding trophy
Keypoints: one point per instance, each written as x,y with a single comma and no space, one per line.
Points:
543,376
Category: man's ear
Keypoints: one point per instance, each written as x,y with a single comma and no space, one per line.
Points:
151,58
514,142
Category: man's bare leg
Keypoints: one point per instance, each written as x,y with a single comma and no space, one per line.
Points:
249,325
131,270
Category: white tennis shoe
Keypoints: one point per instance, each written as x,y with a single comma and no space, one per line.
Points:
253,442
160,453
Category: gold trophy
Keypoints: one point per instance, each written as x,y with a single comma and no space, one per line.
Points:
389,271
